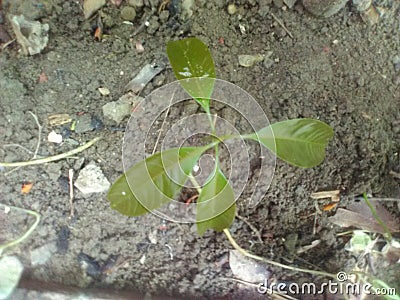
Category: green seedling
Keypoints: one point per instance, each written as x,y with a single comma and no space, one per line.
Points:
160,177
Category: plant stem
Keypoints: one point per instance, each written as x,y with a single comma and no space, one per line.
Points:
271,262
50,158
377,218
27,233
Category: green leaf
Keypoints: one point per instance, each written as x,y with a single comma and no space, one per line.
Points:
154,181
215,205
192,63
300,142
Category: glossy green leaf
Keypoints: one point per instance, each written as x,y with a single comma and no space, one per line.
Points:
300,142
190,58
215,205
154,181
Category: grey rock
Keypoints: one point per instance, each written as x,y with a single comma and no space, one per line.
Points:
153,25
31,35
249,60
41,255
290,3
92,180
128,13
246,269
53,170
324,8
278,3
91,6
263,9
164,15
136,3
118,110
232,9
362,5
84,124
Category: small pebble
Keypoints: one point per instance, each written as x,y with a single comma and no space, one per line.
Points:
250,60
54,137
128,13
362,5
232,9
104,91
278,3
325,8
96,123
360,81
135,3
83,123
89,264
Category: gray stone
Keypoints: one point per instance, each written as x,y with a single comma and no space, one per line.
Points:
247,269
278,3
91,6
84,124
31,35
128,13
153,25
290,3
53,170
118,110
362,5
135,3
92,180
41,255
250,60
324,8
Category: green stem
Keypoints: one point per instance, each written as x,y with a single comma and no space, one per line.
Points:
50,158
27,233
374,213
271,262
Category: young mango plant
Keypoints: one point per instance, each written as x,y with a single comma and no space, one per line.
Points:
155,181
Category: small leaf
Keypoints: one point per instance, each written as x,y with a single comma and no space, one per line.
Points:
190,58
300,142
215,205
153,181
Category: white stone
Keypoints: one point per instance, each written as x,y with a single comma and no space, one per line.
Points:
92,180
54,137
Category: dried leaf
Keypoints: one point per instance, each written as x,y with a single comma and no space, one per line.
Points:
329,206
26,187
359,215
43,77
334,195
59,119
